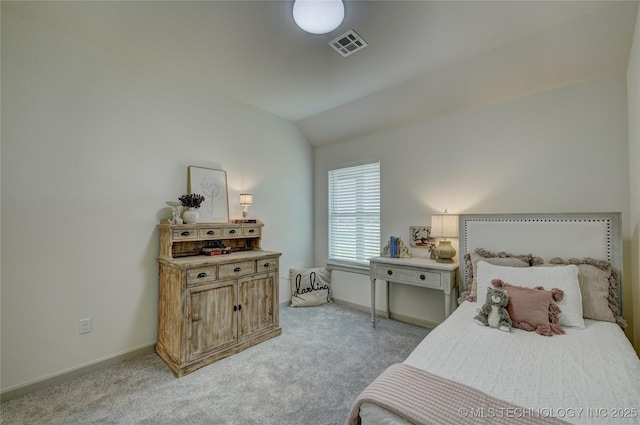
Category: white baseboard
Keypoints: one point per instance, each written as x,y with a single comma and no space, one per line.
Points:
395,316
382,313
414,320
57,378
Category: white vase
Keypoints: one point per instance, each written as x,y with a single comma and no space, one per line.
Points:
191,216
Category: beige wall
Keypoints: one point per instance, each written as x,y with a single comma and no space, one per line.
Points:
560,151
93,144
633,96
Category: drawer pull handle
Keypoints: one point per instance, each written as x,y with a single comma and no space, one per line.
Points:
211,232
237,307
232,231
389,272
201,275
237,269
252,230
267,264
422,277
185,233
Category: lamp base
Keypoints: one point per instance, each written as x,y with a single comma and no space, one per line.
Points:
444,260
445,252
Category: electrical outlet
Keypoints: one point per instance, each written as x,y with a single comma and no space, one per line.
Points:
85,326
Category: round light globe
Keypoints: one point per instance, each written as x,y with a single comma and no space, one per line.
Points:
318,16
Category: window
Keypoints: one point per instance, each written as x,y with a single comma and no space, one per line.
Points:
354,214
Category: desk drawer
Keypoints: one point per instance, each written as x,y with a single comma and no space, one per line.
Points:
232,232
199,275
409,276
184,234
241,268
267,264
210,232
251,231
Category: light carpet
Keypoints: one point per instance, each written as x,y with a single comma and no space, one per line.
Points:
309,375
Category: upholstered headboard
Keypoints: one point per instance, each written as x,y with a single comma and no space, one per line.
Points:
566,235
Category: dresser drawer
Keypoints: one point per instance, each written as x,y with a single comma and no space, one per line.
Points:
184,234
241,268
211,232
251,231
409,276
199,275
232,231
266,264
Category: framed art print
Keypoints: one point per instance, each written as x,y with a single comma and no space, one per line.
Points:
420,236
212,184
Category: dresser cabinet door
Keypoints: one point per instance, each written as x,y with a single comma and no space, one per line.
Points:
211,319
256,295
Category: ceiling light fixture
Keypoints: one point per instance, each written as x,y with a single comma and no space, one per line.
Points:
318,16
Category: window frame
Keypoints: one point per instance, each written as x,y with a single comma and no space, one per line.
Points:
361,210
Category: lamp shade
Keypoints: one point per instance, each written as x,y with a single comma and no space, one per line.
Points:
444,226
318,16
246,199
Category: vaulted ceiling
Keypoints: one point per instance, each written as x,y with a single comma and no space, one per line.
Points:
424,59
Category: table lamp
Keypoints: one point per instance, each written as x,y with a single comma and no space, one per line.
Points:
246,199
444,226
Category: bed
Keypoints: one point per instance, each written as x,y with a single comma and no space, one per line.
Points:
466,373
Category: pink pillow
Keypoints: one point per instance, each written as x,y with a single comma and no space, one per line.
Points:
533,309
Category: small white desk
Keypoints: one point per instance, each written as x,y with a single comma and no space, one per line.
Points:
413,271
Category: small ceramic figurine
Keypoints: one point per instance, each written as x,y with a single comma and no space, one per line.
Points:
175,206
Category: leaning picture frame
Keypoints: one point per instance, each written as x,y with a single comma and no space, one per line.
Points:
212,184
420,236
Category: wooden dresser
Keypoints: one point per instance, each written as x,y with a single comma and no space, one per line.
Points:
210,307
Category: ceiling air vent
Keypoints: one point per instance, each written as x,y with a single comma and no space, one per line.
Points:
348,43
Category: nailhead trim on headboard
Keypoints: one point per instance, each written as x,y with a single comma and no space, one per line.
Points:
607,221
606,242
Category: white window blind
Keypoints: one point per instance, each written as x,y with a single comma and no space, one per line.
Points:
354,214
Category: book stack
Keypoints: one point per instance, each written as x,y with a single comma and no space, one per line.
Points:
393,246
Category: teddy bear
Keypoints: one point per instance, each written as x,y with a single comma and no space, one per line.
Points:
494,311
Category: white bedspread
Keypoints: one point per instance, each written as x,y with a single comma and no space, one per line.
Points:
588,376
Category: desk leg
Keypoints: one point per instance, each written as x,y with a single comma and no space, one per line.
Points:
447,305
388,304
448,289
373,302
